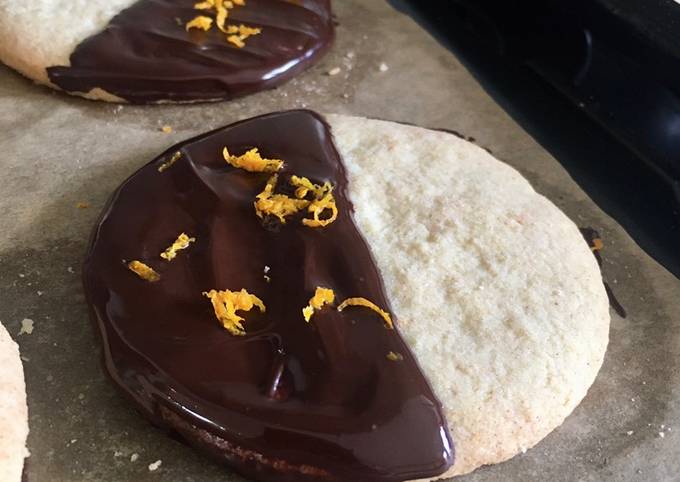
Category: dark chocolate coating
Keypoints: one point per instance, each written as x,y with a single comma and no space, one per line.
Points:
290,400
145,54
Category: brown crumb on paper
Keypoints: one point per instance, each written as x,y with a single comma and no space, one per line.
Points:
82,205
368,304
166,129
182,242
321,297
226,303
597,244
143,271
394,356
27,326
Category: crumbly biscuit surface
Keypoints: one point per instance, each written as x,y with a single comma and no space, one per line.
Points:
13,410
38,34
493,287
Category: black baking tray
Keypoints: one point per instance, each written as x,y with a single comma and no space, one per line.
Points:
597,83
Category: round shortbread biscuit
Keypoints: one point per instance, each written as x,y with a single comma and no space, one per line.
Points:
494,288
44,33
13,410
141,51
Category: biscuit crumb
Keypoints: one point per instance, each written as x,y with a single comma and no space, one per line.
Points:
182,242
321,297
334,71
134,457
383,67
226,303
252,161
175,157
155,465
143,271
166,129
394,356
662,435
368,304
26,326
630,432
82,205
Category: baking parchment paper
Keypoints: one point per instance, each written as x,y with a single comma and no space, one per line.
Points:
57,151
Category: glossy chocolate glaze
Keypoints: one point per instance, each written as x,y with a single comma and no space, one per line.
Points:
290,400
145,54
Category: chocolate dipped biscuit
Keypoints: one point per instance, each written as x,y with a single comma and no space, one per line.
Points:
154,51
295,295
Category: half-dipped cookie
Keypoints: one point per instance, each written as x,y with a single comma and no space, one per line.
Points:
337,298
151,51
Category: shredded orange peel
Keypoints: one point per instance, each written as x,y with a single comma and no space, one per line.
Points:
318,206
323,199
321,297
236,35
368,304
597,244
252,161
226,303
279,205
182,242
173,159
239,34
144,271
